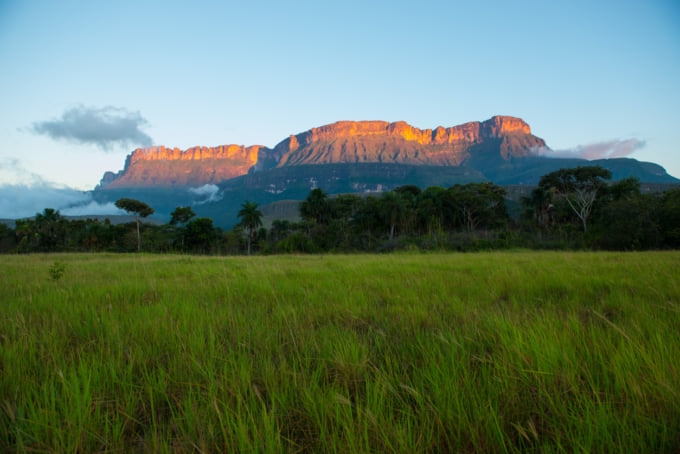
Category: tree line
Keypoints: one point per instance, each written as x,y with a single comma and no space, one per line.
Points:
577,208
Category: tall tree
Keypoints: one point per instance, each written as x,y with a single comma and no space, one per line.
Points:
430,209
367,222
477,205
392,208
182,216
579,187
316,207
200,235
539,207
49,228
409,216
670,217
627,188
138,209
251,219
628,223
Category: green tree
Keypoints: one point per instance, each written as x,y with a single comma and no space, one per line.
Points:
367,222
50,228
410,189
344,209
7,238
181,216
477,205
392,209
539,207
200,235
670,217
627,188
409,216
316,207
251,220
99,235
579,187
628,223
430,210
344,206
139,210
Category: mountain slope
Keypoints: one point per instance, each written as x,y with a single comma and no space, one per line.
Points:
172,167
400,143
346,142
345,157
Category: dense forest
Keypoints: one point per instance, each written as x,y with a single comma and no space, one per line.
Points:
578,208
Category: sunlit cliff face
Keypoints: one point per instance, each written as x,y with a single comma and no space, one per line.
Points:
229,152
196,166
341,142
469,132
380,141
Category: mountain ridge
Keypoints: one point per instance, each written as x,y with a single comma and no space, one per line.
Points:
141,166
347,157
341,142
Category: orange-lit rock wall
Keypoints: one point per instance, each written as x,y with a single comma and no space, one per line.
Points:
340,142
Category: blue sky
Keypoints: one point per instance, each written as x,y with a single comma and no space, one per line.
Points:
83,83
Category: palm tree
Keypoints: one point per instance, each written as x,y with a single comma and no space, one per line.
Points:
251,219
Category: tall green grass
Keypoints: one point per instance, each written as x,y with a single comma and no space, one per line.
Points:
493,352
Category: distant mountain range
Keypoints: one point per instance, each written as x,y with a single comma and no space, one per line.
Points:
347,156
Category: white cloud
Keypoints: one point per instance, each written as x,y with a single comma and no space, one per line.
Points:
22,201
92,208
599,150
100,126
206,194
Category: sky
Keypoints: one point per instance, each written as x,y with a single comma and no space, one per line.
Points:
83,83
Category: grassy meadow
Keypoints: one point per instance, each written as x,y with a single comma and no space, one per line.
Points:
487,352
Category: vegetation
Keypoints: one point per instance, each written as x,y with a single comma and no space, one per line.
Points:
493,352
570,209
251,219
139,210
579,187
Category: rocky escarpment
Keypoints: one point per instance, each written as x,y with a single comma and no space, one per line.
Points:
379,141
171,167
345,142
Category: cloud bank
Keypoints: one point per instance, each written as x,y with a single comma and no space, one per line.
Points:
599,150
104,127
23,201
24,193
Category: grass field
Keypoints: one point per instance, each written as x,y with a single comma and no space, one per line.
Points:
489,352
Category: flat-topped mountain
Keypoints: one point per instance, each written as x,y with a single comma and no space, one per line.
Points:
400,143
172,167
346,157
500,138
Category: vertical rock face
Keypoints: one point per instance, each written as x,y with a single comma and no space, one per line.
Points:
196,166
222,152
500,137
379,141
